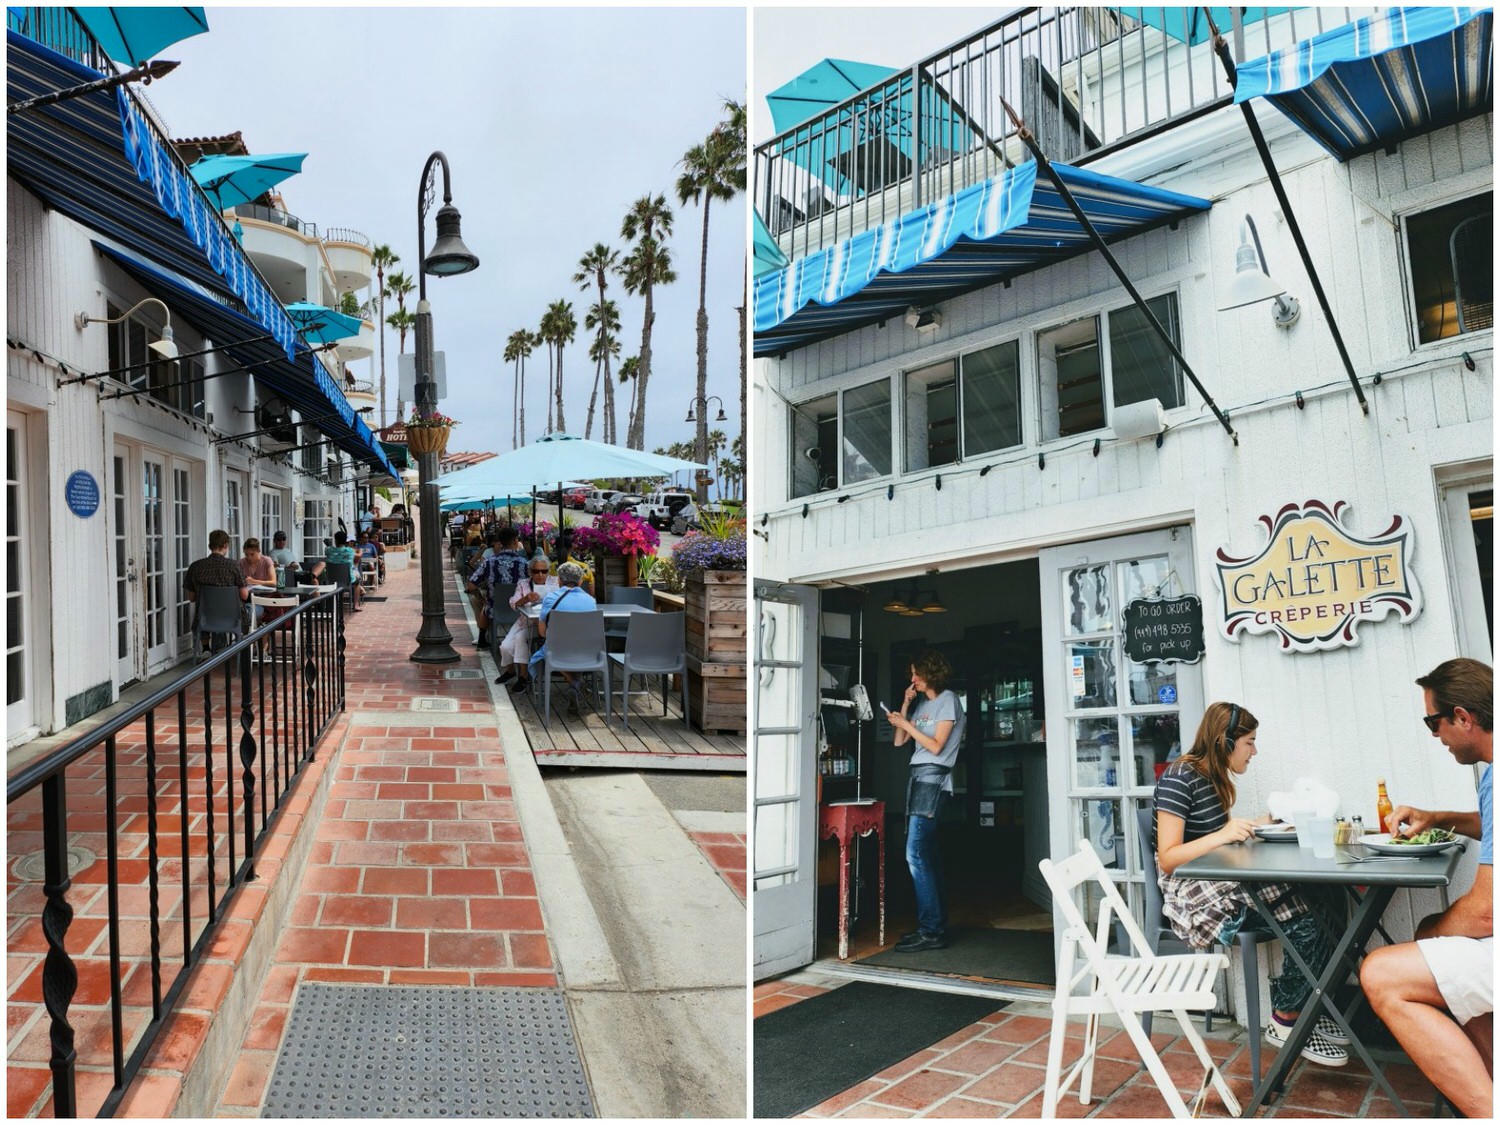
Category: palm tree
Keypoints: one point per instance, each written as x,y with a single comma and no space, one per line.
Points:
399,285
594,268
403,322
560,326
648,224
628,371
732,128
715,446
707,174
604,320
382,258
518,346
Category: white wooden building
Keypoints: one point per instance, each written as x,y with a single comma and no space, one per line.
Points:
961,456
113,483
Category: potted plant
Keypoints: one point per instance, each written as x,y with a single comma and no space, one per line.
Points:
430,434
617,543
711,564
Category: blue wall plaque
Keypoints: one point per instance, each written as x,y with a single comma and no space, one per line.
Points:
82,492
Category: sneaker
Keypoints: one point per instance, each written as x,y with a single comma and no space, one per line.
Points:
1318,1048
519,686
506,676
1331,1031
919,942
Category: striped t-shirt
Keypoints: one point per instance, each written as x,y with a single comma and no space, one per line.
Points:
1184,792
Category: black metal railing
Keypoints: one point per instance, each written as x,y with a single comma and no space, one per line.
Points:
214,754
274,215
346,234
58,29
1086,81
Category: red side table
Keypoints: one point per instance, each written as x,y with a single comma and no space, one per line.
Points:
845,823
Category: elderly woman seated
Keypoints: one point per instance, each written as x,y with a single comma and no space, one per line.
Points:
568,597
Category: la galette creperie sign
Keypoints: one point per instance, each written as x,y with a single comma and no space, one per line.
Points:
1314,581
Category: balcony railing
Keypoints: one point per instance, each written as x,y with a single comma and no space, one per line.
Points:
58,29
197,773
358,387
273,215
346,234
1086,81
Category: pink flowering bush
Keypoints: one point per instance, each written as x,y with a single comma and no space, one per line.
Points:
617,534
545,532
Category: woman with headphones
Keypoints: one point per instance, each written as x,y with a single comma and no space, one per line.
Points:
1192,818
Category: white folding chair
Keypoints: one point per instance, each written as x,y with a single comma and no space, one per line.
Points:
1126,986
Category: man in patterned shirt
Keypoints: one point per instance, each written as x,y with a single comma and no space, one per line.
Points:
215,569
506,564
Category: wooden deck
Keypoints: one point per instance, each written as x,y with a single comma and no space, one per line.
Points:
652,742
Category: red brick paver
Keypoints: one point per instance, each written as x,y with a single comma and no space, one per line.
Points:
996,1068
725,852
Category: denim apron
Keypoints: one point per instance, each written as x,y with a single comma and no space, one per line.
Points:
924,788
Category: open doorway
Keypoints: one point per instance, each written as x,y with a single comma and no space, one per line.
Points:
993,831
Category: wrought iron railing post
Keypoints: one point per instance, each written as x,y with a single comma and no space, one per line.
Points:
310,682
340,645
247,760
59,976
153,858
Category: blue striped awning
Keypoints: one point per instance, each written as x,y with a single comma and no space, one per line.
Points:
1376,81
302,381
998,229
94,159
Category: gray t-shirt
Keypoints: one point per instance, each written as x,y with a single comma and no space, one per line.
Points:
925,716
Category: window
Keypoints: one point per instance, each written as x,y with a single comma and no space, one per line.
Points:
932,416
1077,380
128,342
963,407
1140,365
1452,254
183,554
270,516
820,460
317,525
1072,379
232,514
311,449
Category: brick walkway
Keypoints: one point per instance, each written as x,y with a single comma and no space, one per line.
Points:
995,1068
418,874
725,852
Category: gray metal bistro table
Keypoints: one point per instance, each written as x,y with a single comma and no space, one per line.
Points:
1370,880
611,611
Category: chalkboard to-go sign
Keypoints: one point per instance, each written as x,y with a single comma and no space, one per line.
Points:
1165,630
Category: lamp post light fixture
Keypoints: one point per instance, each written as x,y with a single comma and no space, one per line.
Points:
700,443
449,256
165,348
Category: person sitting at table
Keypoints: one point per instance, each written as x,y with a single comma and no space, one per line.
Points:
569,597
1436,994
504,563
515,649
260,573
314,575
1192,802
282,556
341,552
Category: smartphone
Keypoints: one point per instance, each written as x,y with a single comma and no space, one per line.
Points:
884,708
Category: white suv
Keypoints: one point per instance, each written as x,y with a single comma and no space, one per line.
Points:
598,500
658,508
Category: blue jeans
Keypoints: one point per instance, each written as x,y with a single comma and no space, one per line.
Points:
926,874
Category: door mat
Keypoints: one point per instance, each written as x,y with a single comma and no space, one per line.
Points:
389,1051
813,1049
989,954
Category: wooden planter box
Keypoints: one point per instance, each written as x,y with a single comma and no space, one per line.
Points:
611,572
714,601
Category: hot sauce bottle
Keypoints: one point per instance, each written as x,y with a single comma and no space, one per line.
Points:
1382,807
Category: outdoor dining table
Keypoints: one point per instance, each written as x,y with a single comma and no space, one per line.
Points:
612,611
1370,880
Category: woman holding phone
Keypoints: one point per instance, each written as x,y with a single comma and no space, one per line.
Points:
932,720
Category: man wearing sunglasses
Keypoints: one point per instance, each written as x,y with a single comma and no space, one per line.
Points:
1436,994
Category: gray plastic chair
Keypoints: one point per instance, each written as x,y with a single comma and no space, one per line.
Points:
218,612
656,645
574,643
626,595
1160,937
502,616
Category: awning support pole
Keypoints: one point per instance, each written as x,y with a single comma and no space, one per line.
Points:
1140,302
142,74
1221,48
145,363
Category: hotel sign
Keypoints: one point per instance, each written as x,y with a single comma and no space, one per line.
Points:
1314,581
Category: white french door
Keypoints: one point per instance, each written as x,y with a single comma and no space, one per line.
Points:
151,547
1112,724
783,750
159,605
234,510
19,684
1468,511
124,519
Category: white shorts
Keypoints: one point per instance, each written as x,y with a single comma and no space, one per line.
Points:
1464,969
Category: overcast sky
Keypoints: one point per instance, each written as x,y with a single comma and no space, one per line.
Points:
553,121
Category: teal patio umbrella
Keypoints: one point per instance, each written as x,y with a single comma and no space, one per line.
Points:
873,142
768,256
1190,25
233,180
133,35
318,324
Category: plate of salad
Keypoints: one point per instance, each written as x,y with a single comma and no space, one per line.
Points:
1430,842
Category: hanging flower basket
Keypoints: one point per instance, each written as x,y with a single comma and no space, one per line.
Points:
427,439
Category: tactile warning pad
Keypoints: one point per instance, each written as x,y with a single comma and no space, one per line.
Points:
390,1051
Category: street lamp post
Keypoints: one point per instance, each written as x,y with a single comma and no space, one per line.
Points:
449,256
700,445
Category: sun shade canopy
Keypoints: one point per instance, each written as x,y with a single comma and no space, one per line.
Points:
558,457
233,180
998,229
95,159
1190,24
135,34
303,381
1372,83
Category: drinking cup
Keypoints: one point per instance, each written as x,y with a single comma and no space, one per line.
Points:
1318,831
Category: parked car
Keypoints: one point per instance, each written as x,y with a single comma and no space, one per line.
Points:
659,507
687,518
575,497
626,502
599,499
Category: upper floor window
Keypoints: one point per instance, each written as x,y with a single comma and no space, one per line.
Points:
1077,377
178,383
842,438
1452,253
963,407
